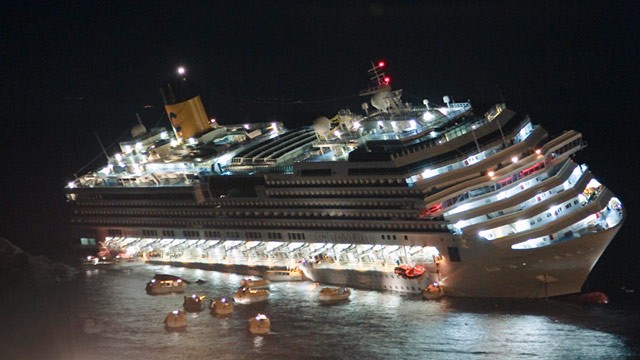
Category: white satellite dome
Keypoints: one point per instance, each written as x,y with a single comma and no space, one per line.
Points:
322,125
380,100
138,130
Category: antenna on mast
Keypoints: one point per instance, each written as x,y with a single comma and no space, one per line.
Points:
504,141
378,77
500,93
101,146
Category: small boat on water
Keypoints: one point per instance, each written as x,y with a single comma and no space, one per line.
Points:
221,307
328,294
409,272
247,295
165,284
260,324
98,260
175,321
254,283
193,303
284,275
433,292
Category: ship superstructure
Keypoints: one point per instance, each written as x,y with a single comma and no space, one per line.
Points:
488,203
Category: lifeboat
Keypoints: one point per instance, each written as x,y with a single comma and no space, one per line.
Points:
165,284
221,307
259,324
193,303
409,272
255,283
329,294
175,321
98,260
433,292
249,296
284,275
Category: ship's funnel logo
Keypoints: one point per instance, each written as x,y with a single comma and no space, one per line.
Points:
172,116
188,118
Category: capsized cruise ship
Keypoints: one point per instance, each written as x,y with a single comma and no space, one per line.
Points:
484,201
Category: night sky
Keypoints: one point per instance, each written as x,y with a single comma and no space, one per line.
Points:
70,71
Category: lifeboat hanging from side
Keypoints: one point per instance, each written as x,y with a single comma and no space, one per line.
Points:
409,272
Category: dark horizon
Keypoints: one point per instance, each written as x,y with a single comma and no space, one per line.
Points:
73,71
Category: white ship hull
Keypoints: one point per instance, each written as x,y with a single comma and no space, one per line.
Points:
544,272
368,280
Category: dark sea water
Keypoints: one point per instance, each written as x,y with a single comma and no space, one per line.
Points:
372,325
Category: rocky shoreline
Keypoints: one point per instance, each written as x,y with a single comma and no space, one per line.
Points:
21,270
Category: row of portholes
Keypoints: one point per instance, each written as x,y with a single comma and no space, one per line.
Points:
392,203
137,204
205,213
396,287
337,182
323,225
223,213
347,193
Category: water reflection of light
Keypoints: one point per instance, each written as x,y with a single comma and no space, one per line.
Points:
258,341
473,331
372,298
92,272
449,328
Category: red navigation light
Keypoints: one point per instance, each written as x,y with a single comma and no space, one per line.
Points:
387,79
381,64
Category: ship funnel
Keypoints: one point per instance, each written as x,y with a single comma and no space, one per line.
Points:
184,107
